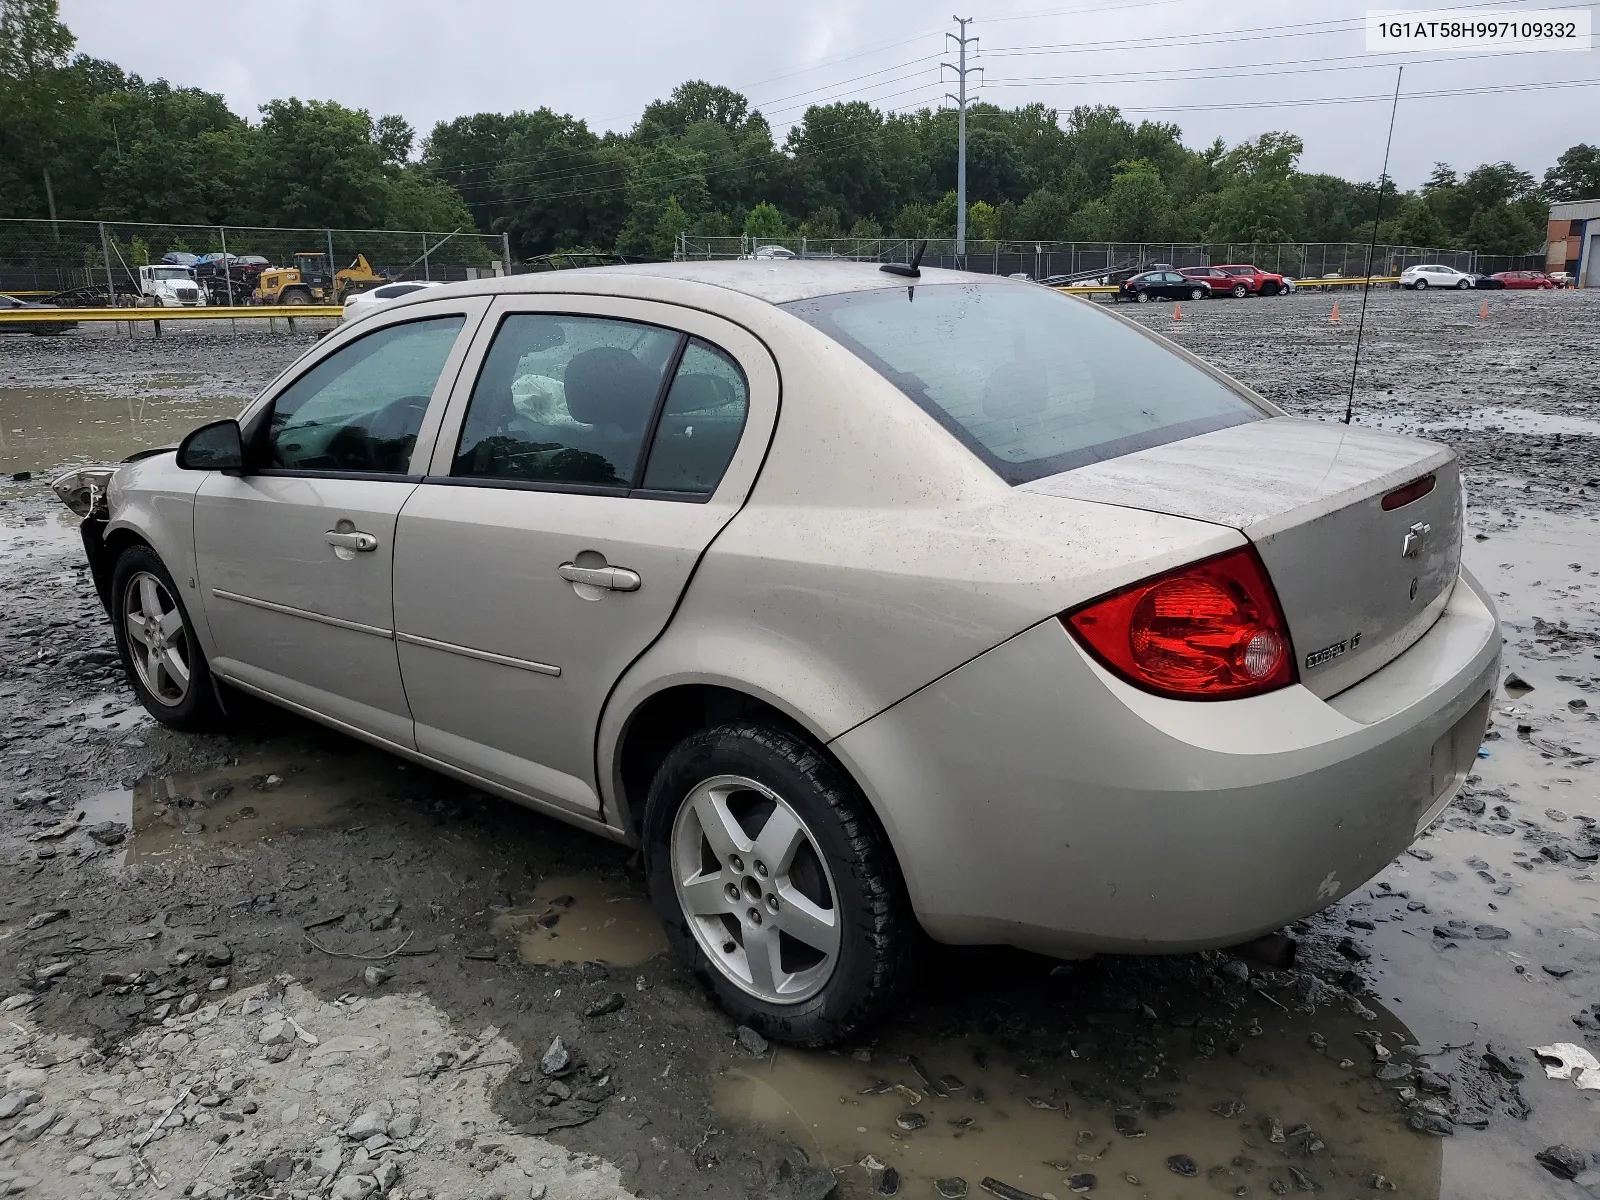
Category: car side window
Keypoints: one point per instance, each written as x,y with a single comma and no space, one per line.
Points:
565,400
700,423
359,409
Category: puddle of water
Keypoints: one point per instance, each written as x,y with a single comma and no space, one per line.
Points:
108,712
582,918
1112,1094
43,427
238,806
1517,420
55,530
1491,420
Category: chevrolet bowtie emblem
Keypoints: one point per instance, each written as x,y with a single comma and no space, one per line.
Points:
1414,539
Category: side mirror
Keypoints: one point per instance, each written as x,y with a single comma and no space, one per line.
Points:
214,447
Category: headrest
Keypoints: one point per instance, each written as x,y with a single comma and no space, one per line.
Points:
1015,389
609,386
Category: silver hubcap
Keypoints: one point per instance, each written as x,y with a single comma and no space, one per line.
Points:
157,640
756,889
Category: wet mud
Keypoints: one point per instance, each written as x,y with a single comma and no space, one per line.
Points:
1394,1058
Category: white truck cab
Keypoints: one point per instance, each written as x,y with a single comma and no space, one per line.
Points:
165,285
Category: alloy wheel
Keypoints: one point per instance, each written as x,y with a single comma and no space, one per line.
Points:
158,642
755,889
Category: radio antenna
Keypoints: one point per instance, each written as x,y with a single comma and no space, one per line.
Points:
1372,247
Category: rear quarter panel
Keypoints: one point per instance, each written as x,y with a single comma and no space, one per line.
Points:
876,554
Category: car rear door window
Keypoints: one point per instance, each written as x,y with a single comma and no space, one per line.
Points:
1031,381
700,423
565,400
359,409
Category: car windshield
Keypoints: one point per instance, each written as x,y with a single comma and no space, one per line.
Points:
168,273
1031,381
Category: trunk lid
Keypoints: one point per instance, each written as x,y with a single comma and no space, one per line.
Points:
1358,583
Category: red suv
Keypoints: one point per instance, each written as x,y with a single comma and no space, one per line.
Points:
1239,280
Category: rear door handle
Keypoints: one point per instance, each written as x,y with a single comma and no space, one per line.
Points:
616,579
352,541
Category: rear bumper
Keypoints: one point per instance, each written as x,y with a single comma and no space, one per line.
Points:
1034,799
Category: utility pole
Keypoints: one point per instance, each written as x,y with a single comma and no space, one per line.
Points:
962,70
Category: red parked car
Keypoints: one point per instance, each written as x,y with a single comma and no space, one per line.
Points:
1525,279
1238,280
1257,281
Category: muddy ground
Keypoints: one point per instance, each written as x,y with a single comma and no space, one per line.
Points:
355,969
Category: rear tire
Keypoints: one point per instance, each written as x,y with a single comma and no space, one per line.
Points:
294,296
1420,285
163,660
800,929
1143,297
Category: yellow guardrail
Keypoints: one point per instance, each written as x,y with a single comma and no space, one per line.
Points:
1345,282
54,316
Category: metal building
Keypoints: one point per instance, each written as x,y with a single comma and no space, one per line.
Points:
1573,241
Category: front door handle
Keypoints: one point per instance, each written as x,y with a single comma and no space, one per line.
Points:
615,579
352,541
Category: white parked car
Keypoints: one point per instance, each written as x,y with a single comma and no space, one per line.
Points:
861,600
364,302
1426,275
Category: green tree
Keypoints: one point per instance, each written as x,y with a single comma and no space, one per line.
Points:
1503,229
913,221
1416,224
983,221
1137,205
1045,214
1576,174
765,221
394,136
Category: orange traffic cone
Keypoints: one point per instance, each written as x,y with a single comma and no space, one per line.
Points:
1177,312
1483,313
1334,316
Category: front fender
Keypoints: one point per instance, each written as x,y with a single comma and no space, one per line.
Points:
152,501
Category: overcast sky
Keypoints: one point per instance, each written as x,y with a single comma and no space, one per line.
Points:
1215,68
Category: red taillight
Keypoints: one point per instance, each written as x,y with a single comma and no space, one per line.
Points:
1209,631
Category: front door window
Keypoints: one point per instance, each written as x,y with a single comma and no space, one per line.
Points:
359,410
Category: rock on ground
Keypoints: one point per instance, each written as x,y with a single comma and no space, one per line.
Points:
194,1104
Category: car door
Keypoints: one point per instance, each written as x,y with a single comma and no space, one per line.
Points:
593,449
295,555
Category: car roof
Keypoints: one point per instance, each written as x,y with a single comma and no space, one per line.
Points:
776,281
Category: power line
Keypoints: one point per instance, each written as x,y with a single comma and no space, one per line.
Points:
1435,94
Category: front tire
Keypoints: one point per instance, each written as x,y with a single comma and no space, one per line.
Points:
1463,285
1240,291
155,638
1197,293
775,885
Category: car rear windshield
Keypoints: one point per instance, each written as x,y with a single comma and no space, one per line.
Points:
1031,381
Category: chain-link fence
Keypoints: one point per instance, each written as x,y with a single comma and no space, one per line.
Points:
1048,260
94,259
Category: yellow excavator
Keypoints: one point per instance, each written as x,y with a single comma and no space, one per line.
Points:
309,281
